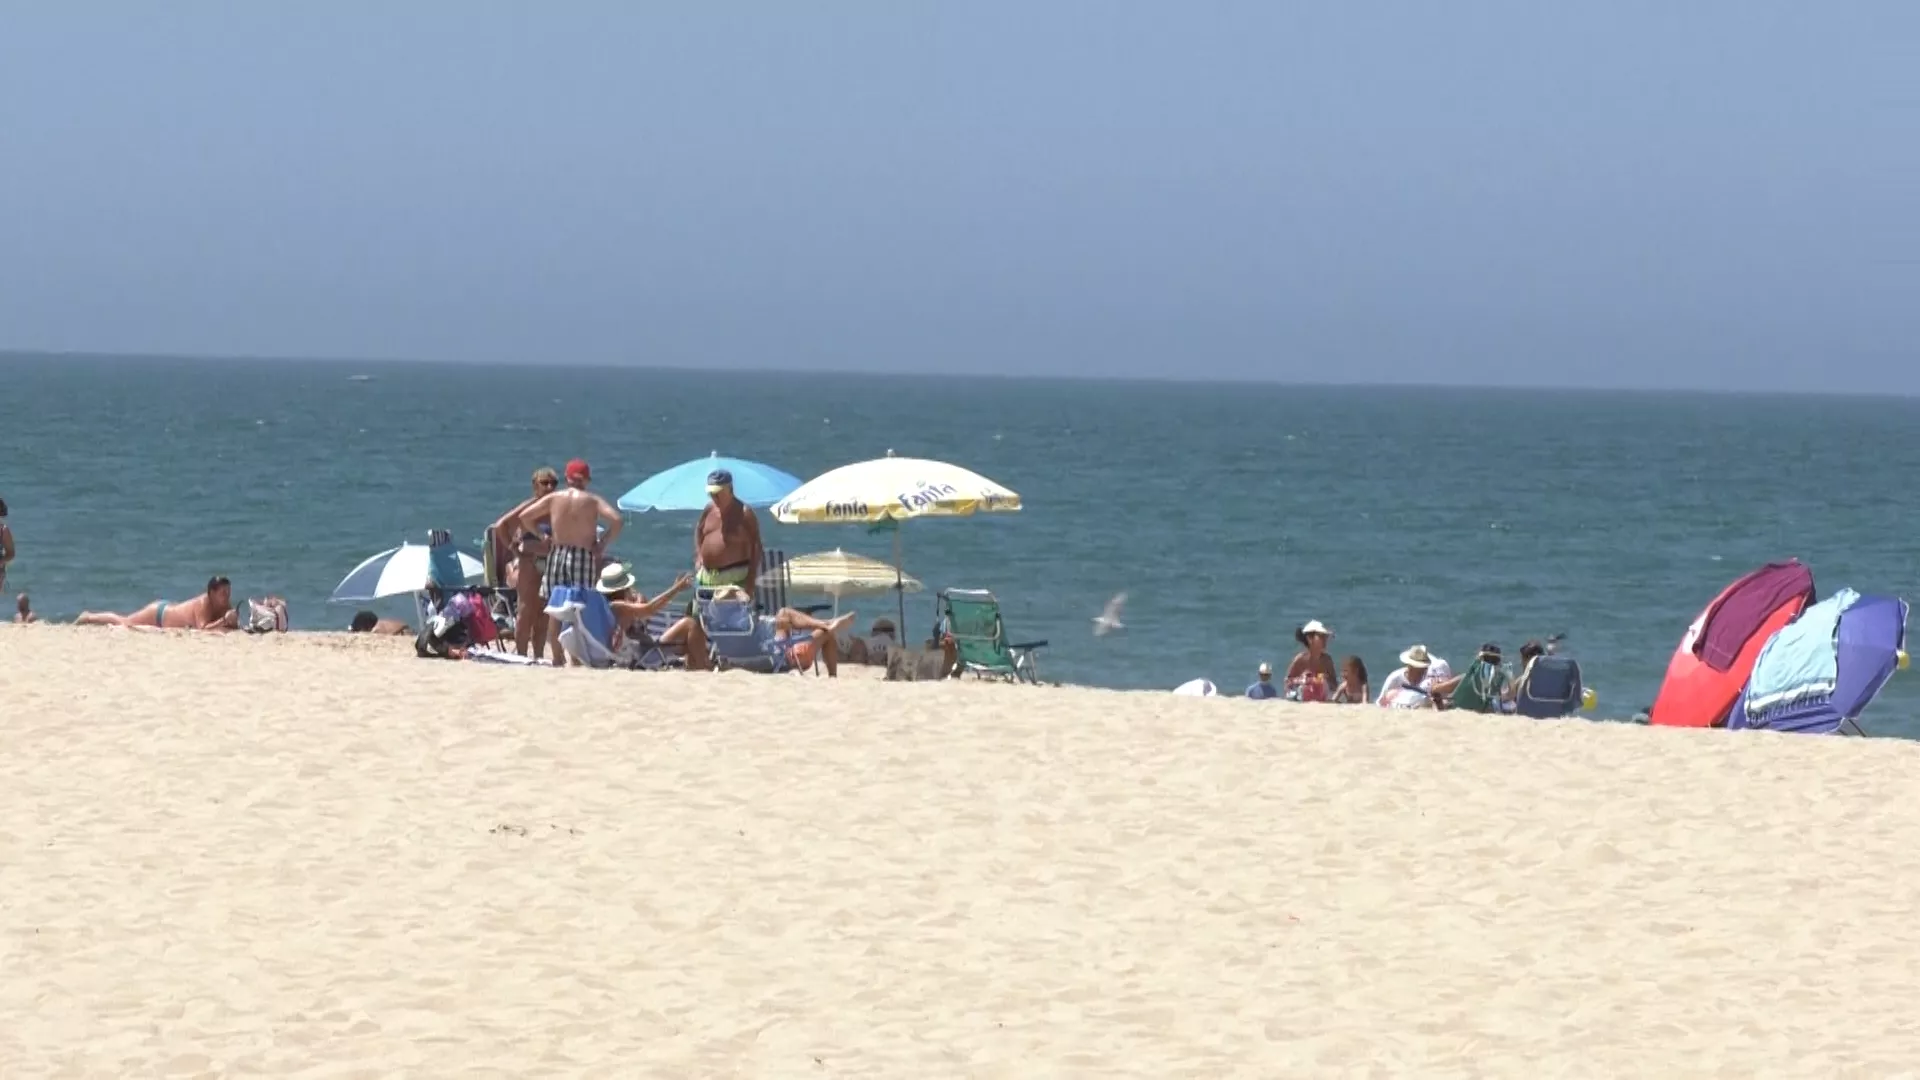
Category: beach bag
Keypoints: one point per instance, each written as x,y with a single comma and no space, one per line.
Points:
1480,690
267,615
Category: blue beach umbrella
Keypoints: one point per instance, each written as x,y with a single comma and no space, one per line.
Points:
684,487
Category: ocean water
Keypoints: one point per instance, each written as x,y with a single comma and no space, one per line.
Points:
1228,513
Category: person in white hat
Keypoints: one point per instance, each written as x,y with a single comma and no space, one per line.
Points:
1264,687
1412,685
1310,675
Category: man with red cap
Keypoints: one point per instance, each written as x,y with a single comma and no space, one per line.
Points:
574,516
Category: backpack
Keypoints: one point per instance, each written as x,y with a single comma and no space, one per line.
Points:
1480,690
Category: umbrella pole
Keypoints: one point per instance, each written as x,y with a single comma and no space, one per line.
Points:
899,583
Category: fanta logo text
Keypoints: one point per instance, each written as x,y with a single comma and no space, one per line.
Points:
848,509
928,495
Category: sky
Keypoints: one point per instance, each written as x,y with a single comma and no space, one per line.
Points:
1629,193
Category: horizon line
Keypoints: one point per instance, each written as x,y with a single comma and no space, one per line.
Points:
16,354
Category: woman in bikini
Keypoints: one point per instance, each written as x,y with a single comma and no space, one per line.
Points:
211,610
529,566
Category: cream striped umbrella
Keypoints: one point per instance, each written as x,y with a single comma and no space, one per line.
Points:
894,489
838,573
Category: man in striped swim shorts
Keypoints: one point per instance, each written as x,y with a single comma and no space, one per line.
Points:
575,516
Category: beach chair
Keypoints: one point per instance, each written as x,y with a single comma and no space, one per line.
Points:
1551,688
972,618
741,639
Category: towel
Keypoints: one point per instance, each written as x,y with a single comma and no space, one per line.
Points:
589,620
1799,663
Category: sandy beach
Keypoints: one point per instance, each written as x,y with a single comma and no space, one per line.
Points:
315,855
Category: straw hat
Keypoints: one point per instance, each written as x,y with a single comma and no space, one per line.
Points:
1416,657
615,578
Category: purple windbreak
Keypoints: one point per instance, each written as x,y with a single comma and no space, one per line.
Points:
1739,614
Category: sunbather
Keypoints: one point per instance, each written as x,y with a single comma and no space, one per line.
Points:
211,610
367,622
1354,688
874,649
1310,675
632,611
1410,686
529,566
806,638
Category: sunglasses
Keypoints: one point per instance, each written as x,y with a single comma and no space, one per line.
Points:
546,483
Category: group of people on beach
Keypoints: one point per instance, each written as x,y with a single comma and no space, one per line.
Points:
1421,681
559,537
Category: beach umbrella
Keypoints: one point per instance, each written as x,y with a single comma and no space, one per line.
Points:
893,490
684,487
1823,678
398,572
839,574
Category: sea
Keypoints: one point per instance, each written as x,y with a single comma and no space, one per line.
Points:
1229,514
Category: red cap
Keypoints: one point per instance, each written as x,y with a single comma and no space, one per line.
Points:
577,470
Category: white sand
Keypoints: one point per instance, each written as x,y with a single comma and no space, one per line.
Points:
321,857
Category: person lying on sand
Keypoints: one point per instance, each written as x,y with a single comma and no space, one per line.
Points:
211,610
23,610
366,622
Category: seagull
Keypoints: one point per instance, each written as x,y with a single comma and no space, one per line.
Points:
1109,620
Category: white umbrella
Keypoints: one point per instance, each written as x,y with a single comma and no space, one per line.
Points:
894,489
398,572
840,574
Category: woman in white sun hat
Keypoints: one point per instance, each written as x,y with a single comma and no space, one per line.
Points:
1311,675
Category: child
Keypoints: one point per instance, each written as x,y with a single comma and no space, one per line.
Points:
24,610
1353,688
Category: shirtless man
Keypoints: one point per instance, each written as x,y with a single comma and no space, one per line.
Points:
726,539
211,610
6,544
23,610
574,515
529,566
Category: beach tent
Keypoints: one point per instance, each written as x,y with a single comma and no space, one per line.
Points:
1717,652
1817,674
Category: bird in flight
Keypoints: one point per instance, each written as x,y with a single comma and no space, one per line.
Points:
1109,619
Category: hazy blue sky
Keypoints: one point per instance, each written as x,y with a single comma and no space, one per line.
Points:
1626,193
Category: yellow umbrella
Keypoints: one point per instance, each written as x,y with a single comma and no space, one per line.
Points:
892,489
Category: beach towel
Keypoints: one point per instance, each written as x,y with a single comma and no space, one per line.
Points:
443,560
495,656
589,624
1799,663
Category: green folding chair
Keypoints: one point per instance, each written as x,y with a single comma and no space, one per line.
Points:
972,617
